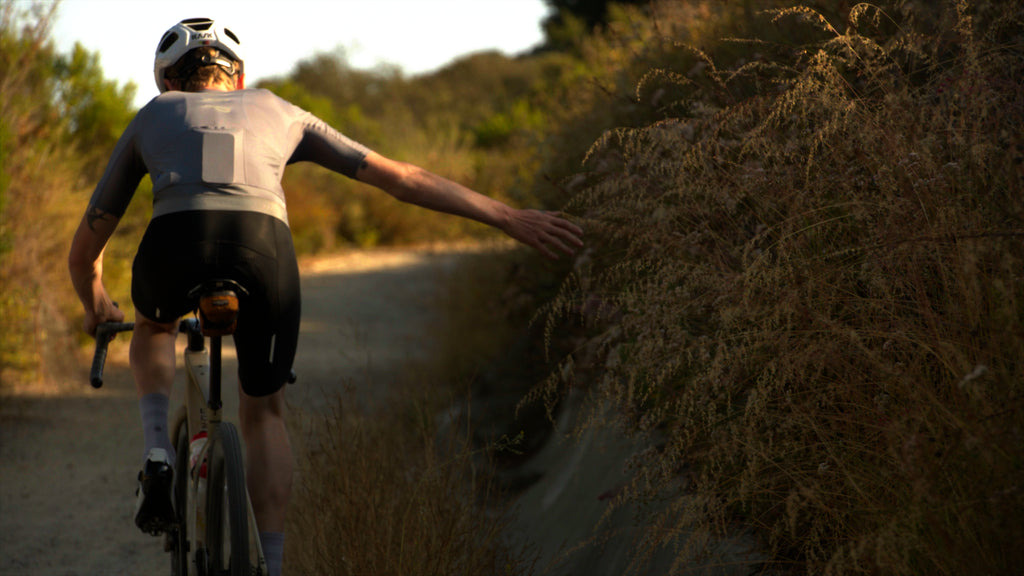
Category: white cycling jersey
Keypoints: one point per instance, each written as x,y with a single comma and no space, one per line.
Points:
215,150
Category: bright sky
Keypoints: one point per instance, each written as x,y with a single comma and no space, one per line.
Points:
417,35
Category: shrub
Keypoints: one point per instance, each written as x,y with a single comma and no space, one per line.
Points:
57,112
804,288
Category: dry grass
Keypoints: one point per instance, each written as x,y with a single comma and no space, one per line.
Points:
807,275
389,493
407,487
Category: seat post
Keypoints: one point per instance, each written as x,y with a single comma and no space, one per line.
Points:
215,400
217,302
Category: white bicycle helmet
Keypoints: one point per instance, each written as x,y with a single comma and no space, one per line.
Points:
196,33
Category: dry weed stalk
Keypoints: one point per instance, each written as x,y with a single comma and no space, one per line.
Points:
816,279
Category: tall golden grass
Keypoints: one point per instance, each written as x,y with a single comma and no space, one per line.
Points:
397,492
408,486
413,486
804,287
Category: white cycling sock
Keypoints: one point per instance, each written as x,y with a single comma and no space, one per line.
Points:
273,551
154,408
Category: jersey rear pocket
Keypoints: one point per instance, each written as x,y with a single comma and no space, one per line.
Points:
222,158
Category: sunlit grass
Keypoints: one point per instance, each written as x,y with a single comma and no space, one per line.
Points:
406,486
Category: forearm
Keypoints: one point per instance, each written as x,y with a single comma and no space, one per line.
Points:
85,259
415,185
428,190
87,278
545,231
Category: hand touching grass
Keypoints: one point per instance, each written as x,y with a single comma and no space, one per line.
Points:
548,232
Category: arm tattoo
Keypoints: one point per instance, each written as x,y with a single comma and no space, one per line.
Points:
94,214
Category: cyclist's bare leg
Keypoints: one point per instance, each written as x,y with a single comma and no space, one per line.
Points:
269,476
268,456
152,355
152,360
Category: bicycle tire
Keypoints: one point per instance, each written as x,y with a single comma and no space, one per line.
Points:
227,507
180,545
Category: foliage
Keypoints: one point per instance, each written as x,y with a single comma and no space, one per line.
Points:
804,278
570,20
57,113
97,109
397,491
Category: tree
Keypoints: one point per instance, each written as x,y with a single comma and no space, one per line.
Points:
592,12
97,109
59,118
569,18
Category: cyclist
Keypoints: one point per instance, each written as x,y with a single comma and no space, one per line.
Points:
215,153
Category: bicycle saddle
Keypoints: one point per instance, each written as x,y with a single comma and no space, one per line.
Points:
217,302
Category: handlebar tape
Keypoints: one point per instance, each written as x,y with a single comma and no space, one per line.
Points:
105,332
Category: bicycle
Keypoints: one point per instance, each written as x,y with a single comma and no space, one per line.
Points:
215,530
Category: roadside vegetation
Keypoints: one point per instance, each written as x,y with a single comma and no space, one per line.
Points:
804,278
398,489
58,120
802,286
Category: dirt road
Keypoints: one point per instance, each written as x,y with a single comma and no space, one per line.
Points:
68,458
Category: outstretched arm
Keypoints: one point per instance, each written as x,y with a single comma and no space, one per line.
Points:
548,232
85,263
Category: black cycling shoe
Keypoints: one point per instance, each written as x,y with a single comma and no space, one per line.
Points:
154,513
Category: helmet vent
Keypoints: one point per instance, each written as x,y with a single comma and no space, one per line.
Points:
168,41
198,24
232,36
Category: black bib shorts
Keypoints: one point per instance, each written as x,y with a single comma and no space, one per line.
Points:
181,250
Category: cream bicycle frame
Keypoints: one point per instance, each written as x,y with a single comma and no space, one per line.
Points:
198,414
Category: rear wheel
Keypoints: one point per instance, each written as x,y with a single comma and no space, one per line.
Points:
178,538
227,508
